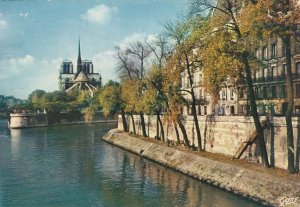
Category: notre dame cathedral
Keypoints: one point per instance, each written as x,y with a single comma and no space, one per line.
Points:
84,78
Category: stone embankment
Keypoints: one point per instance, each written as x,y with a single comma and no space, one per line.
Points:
84,122
260,187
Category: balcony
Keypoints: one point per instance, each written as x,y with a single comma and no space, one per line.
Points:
271,79
296,75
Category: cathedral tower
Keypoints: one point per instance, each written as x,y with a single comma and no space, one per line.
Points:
79,61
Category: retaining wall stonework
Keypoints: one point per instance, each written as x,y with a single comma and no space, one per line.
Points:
254,185
225,134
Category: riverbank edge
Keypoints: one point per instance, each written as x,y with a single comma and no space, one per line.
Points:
84,122
69,123
259,187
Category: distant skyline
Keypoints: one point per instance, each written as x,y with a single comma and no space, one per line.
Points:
36,35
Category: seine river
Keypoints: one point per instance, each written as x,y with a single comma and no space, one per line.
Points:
66,166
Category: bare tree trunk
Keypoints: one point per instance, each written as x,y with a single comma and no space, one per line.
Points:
161,126
133,124
258,126
157,126
194,111
124,121
185,137
290,105
177,134
297,149
143,124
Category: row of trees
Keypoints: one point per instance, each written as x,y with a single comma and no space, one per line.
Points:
219,37
9,102
73,105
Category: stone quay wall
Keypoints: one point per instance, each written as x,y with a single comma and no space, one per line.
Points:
257,186
225,135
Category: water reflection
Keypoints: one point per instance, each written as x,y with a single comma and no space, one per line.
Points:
71,166
15,142
137,178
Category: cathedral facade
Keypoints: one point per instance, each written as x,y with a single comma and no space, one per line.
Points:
81,78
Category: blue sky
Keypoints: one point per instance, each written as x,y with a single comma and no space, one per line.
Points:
36,35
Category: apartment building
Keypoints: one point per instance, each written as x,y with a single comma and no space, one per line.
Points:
268,80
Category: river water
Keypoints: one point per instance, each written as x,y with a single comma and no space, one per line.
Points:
71,166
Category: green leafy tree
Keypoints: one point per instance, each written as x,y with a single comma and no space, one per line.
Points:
89,113
175,101
111,103
35,98
130,95
226,29
153,99
132,61
280,19
186,62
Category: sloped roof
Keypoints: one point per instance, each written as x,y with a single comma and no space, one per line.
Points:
81,77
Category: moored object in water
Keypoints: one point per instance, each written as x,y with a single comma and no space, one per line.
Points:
26,119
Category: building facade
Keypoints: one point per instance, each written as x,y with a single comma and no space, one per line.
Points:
83,78
268,82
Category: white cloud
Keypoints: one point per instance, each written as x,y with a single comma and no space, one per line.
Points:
106,63
99,14
23,61
152,38
3,24
16,66
142,37
20,76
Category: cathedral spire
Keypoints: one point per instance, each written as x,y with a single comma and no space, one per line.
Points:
79,61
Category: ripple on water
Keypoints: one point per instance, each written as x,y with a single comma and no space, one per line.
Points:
71,166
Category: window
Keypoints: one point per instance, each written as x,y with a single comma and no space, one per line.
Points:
283,71
297,48
297,109
265,53
298,67
199,94
205,110
274,92
231,94
242,109
67,68
274,50
242,93
273,71
224,95
265,92
265,73
257,74
297,90
199,110
256,92
189,110
283,50
283,91
222,110
257,53
232,110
